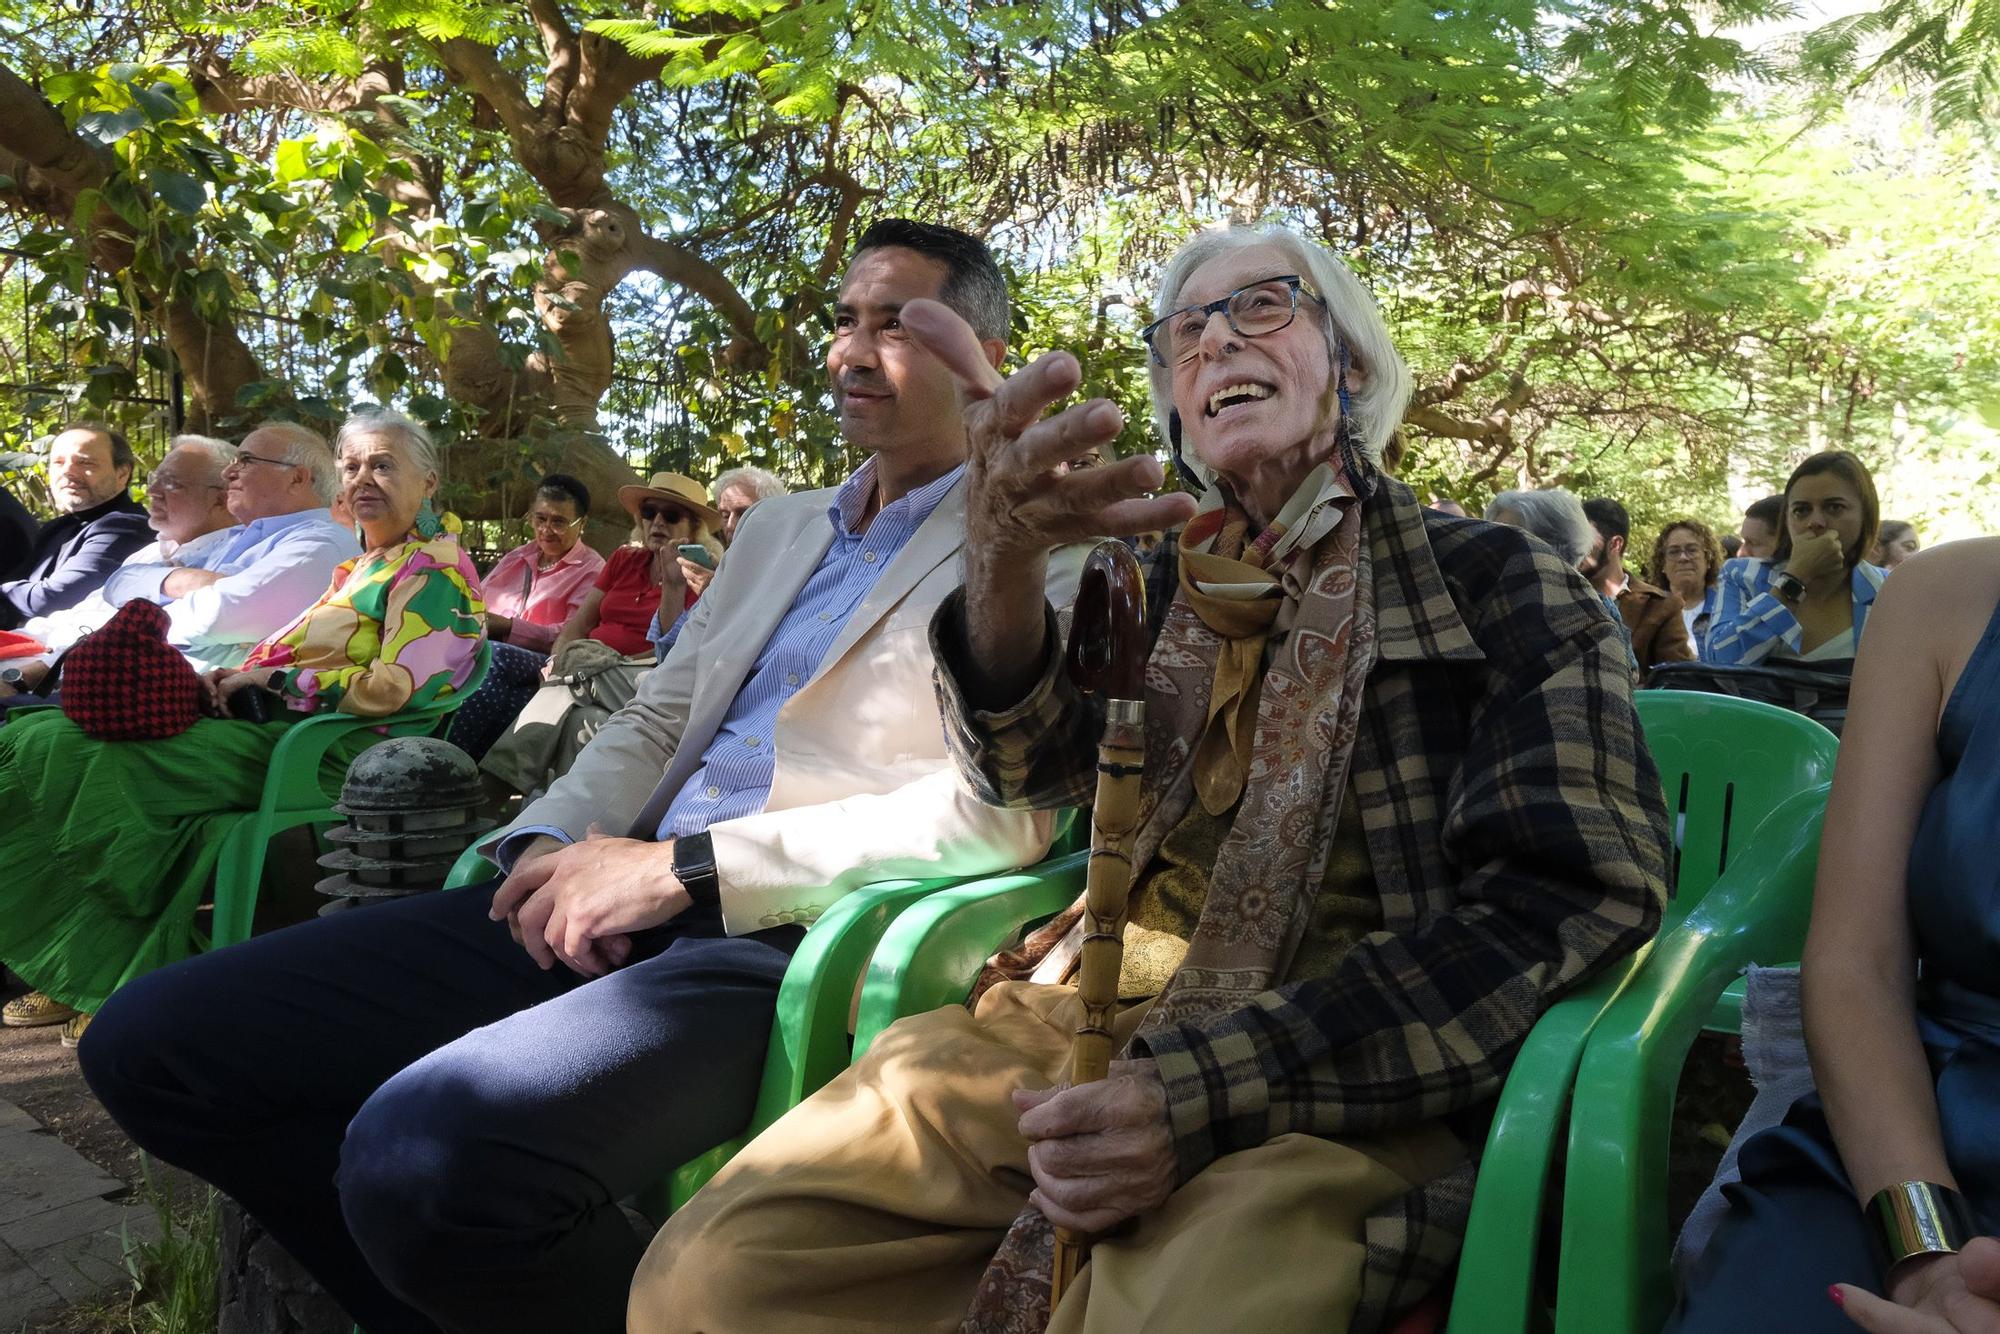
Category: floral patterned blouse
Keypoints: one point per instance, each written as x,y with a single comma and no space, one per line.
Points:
394,630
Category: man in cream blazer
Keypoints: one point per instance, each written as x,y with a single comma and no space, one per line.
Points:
437,1104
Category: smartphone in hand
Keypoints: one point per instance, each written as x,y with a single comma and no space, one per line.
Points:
699,554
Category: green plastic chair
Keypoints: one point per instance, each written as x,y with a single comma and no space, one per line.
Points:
1614,1273
1725,765
294,795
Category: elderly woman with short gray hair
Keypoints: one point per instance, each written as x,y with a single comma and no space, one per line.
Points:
1393,805
111,843
1557,518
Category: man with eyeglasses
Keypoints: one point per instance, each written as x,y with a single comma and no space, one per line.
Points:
273,564
89,472
436,1105
1652,615
184,506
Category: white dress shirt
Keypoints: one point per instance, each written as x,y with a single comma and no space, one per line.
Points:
272,568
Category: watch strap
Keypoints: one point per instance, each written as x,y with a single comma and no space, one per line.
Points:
694,867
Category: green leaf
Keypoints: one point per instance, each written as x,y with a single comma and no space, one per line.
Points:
108,127
181,191
158,102
291,163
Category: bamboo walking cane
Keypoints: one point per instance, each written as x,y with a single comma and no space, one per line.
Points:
1107,655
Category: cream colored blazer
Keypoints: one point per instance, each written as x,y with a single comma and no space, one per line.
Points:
864,788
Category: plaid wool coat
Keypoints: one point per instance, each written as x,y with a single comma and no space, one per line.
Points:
1516,831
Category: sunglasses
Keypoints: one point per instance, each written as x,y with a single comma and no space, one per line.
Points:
668,512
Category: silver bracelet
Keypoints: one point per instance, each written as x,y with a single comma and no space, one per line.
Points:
1921,1218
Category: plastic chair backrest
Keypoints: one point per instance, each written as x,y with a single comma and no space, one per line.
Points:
1725,764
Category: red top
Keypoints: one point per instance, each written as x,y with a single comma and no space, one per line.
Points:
630,599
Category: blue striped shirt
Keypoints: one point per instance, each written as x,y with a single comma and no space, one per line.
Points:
1751,625
736,771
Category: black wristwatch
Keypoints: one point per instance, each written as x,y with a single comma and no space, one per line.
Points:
11,678
1788,585
694,867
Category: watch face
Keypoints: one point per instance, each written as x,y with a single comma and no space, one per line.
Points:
10,676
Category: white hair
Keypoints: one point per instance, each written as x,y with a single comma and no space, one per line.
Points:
219,454
1552,514
415,440
759,483
308,449
1350,317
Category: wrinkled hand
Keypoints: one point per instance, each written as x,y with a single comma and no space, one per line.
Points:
182,582
1818,560
697,576
667,574
1100,1152
1021,502
580,904
221,683
1952,1294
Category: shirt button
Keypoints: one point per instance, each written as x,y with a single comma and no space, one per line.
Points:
826,616
750,741
714,792
868,556
791,678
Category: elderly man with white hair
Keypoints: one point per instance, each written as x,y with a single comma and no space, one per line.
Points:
184,506
274,564
1394,804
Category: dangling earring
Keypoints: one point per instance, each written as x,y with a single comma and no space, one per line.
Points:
428,524
1360,472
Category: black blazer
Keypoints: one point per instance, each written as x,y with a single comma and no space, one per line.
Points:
71,558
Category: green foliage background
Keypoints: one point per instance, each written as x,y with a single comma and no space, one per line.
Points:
1625,249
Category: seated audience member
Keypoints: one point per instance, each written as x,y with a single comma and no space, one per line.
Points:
184,507
436,1104
1896,543
1557,518
604,648
1446,505
1901,1003
112,844
1688,559
1810,602
17,531
530,593
1732,546
1762,523
535,588
1431,815
1653,616
737,492
90,473
269,568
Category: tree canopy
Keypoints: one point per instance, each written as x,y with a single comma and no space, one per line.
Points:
1625,249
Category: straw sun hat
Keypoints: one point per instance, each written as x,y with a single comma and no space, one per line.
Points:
675,488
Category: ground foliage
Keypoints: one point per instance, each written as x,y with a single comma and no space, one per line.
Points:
1625,250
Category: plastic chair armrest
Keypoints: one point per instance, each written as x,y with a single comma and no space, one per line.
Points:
1614,1234
1494,1290
932,955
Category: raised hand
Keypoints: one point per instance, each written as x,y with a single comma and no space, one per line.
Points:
1021,504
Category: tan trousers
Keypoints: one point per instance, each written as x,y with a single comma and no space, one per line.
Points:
876,1204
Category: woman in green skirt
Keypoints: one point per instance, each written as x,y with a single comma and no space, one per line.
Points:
111,845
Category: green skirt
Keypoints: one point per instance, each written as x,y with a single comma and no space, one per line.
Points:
109,847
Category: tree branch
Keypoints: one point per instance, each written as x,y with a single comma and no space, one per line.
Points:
681,266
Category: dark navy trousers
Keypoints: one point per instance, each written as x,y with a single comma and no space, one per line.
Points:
437,1128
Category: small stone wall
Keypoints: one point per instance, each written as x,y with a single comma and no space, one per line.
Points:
261,1289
